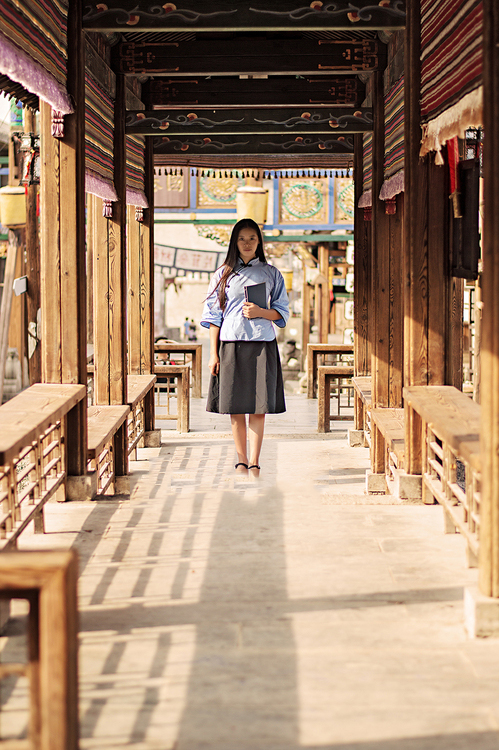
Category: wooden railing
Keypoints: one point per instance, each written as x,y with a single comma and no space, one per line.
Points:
173,353
48,580
325,354
32,455
447,423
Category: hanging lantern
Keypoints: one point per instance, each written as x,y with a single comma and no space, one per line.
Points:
29,152
252,203
12,206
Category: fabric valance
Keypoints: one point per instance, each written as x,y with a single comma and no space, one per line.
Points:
467,113
33,50
451,68
265,162
99,141
135,170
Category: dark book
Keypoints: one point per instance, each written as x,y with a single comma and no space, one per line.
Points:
257,293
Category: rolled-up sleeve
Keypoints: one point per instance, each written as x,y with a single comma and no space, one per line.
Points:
212,313
279,300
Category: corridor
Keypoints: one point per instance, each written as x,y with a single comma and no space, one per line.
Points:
297,612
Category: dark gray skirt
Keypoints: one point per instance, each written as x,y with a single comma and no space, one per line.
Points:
249,381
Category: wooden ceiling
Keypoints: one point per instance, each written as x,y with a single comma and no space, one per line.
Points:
281,77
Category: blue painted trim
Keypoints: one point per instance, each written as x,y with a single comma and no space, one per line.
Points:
276,202
192,193
193,209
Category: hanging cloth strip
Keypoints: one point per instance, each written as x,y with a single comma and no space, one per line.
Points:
99,141
135,171
451,70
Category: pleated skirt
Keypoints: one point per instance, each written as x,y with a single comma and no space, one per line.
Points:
250,379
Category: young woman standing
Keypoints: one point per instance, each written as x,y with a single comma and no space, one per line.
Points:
245,367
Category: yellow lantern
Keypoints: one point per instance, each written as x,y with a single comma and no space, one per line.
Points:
252,203
288,280
12,206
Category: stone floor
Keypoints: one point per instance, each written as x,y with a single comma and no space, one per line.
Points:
293,612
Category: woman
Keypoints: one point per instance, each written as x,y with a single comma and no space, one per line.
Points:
245,368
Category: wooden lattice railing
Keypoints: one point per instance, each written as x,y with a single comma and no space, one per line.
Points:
448,425
33,455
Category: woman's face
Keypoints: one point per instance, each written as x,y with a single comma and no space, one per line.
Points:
247,243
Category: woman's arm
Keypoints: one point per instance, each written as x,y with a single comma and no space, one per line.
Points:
214,363
251,310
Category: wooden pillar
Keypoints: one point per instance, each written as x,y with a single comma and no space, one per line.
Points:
133,235
147,265
427,294
323,321
32,270
305,296
147,283
380,277
380,264
63,273
362,271
489,511
110,288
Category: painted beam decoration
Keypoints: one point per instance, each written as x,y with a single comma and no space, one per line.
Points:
302,91
205,261
247,56
177,123
241,145
228,15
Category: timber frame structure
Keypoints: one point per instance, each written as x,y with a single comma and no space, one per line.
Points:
386,87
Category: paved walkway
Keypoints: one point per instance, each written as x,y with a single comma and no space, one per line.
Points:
294,612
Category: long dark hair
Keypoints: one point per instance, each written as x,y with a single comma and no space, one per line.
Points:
233,256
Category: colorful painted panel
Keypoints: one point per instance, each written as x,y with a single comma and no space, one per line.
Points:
344,200
303,201
394,129
451,53
218,192
171,190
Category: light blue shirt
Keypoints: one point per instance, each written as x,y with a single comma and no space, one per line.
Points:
232,323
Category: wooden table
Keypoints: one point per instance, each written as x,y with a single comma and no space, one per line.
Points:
314,351
196,352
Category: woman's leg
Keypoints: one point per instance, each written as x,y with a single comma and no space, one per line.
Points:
256,428
238,424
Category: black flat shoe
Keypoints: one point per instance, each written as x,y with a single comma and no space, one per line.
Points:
241,464
254,466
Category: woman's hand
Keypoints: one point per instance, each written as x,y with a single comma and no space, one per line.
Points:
214,364
250,310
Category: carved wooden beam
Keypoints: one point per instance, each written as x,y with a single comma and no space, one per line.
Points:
255,144
303,91
249,56
179,123
229,15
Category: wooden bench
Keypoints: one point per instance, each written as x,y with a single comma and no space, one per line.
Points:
33,457
194,351
48,580
140,398
336,378
362,387
390,425
173,382
447,423
102,427
338,353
